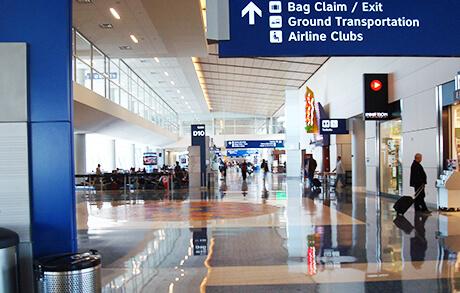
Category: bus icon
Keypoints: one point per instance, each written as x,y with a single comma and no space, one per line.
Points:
275,21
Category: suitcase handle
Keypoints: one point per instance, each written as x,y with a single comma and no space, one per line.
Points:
419,190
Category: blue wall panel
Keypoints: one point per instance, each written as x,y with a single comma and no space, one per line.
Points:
46,26
52,203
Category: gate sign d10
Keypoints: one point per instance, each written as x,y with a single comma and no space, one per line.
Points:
342,28
198,131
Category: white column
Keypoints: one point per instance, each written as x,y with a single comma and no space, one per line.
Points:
80,153
133,156
358,159
293,112
113,155
372,156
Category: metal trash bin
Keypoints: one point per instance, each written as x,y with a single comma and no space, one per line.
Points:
9,241
66,273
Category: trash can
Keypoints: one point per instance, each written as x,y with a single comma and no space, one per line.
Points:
8,260
69,273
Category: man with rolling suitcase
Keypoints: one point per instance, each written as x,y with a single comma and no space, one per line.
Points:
418,181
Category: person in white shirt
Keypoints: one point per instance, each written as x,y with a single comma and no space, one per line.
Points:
340,173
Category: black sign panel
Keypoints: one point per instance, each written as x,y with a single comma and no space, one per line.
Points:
199,139
200,242
333,126
376,97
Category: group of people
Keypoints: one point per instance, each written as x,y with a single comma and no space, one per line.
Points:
244,169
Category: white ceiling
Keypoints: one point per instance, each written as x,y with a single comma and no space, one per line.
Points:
173,31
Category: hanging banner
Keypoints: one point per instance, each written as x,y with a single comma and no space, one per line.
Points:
310,115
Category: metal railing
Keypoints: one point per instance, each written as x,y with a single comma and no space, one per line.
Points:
116,81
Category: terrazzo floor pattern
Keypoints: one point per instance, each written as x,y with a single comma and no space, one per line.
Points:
274,236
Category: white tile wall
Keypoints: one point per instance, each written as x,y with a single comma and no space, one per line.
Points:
14,179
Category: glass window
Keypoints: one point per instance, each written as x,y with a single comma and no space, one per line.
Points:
390,157
99,72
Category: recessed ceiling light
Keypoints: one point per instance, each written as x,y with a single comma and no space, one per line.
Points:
83,1
172,82
178,91
166,73
106,25
135,40
182,97
115,13
125,48
156,59
192,111
186,103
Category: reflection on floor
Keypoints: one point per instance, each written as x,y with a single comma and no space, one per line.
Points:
273,236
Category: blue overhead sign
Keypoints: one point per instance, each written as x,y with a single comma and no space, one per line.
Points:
342,28
333,126
254,144
241,153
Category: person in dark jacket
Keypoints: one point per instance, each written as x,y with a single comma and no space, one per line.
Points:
418,180
311,167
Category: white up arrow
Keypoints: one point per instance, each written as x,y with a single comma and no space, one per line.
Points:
252,9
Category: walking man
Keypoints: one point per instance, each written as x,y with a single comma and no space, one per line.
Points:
418,180
340,173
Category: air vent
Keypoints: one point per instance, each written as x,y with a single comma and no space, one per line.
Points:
125,48
106,25
83,1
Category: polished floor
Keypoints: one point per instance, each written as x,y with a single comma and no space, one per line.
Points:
273,236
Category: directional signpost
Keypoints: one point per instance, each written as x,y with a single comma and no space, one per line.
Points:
342,28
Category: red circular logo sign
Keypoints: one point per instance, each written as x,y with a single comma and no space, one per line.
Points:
376,85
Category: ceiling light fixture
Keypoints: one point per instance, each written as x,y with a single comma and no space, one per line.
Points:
105,25
172,82
125,48
133,37
166,73
114,13
182,97
198,71
156,59
83,1
178,91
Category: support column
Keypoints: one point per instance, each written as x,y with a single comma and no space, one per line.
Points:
358,151
293,123
113,154
80,153
46,28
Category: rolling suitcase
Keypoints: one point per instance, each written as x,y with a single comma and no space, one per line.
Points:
316,182
404,203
